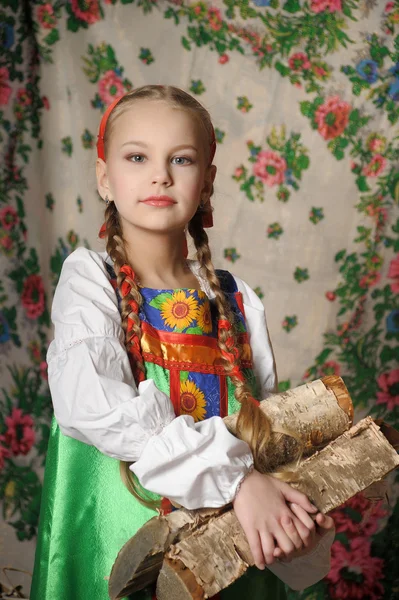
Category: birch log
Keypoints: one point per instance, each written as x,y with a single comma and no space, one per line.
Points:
314,413
216,554
140,559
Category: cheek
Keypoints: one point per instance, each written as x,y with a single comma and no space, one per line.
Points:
195,184
121,180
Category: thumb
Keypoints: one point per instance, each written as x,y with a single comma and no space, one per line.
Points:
325,524
297,497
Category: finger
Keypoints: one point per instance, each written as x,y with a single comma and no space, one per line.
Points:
256,549
284,541
304,524
302,515
307,536
292,495
268,547
292,533
325,522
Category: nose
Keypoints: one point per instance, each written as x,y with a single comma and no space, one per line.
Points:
162,175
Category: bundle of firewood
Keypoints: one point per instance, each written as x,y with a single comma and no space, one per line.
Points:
194,554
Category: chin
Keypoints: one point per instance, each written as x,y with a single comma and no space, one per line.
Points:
161,226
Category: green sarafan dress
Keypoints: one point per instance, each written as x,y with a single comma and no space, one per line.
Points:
87,514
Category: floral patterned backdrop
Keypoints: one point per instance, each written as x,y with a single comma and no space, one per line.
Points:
304,97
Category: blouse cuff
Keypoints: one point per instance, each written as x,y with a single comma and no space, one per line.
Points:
196,465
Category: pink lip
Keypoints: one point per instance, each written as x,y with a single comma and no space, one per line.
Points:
159,201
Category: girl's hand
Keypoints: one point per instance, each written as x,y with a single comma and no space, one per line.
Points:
324,525
262,510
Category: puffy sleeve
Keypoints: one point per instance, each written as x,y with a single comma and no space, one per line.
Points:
96,399
262,351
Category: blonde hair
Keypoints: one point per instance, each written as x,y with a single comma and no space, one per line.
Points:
252,426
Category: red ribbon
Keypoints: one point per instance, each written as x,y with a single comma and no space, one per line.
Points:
233,355
237,373
134,351
126,286
224,324
254,400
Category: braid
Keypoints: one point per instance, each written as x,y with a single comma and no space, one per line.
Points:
130,294
252,425
131,324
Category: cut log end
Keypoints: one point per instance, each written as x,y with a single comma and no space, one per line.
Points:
338,387
139,559
177,582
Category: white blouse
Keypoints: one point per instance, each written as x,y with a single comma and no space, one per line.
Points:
96,399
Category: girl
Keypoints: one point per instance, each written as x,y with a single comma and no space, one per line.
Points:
150,351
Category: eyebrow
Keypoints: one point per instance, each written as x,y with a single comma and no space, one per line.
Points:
144,145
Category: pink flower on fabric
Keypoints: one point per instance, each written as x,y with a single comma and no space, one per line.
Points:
332,117
393,273
32,298
376,143
46,103
43,370
19,436
238,172
23,97
110,87
382,215
46,16
330,368
355,574
375,166
299,62
324,5
389,384
8,217
370,514
319,71
5,89
6,243
86,10
379,212
369,280
215,19
4,453
223,59
34,351
270,167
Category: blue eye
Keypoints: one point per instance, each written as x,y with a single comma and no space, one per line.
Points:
134,156
182,158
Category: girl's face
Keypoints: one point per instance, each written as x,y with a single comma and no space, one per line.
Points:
155,151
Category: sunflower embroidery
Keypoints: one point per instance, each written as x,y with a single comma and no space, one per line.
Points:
204,318
179,311
192,400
